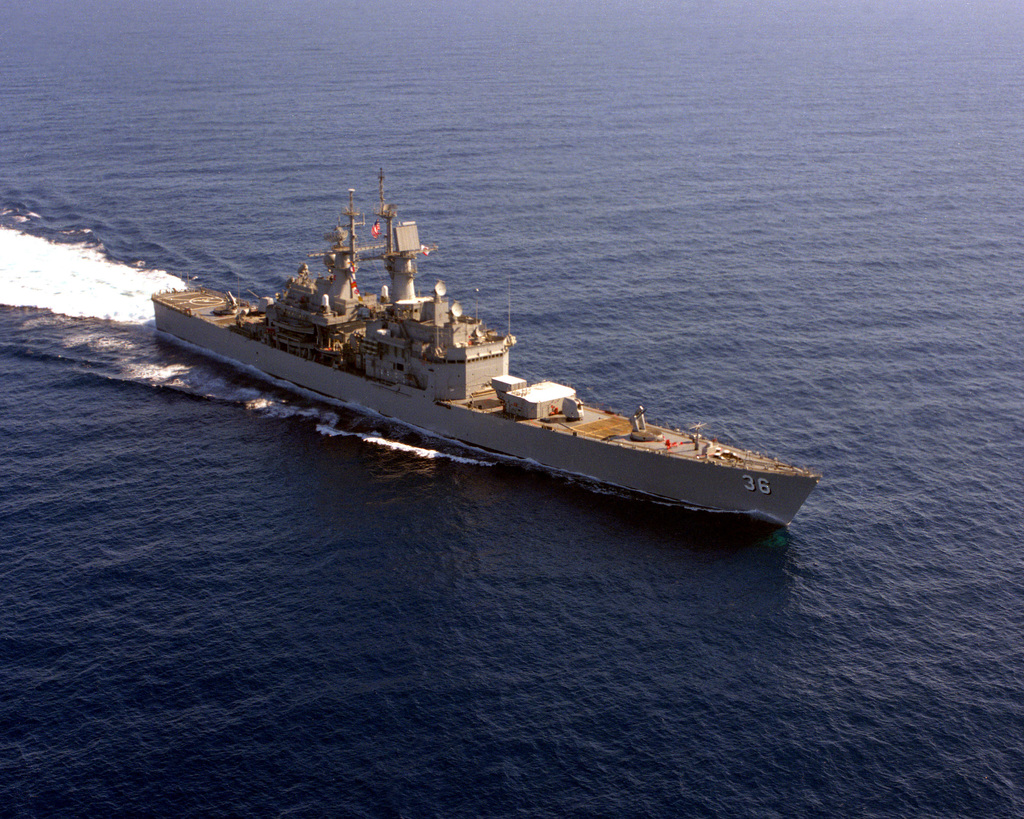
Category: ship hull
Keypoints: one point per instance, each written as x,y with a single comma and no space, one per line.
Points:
703,484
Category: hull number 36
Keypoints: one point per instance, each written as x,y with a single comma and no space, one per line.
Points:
760,485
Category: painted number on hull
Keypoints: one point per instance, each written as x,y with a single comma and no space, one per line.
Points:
761,485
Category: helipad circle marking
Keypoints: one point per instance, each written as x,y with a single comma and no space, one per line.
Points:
205,301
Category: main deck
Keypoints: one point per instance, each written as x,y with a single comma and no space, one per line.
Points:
594,424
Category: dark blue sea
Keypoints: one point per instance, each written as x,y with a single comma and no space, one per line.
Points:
797,222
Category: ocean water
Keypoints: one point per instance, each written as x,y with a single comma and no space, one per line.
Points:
797,222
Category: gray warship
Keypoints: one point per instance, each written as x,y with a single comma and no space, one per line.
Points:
421,360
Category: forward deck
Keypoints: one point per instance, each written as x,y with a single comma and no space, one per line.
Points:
609,427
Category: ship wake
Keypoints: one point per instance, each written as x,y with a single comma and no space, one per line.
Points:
418,451
76,279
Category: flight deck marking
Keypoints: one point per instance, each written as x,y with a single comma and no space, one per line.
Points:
204,301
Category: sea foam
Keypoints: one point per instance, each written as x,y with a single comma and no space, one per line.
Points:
398,446
75,280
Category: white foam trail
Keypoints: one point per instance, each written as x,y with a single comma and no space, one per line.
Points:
420,452
278,409
169,375
75,280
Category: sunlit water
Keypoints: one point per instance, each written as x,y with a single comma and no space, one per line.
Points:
224,597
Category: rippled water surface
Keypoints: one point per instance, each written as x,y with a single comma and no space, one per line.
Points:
800,225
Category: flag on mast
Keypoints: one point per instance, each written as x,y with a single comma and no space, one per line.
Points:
375,230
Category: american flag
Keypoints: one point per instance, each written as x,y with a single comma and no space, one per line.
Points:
375,230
